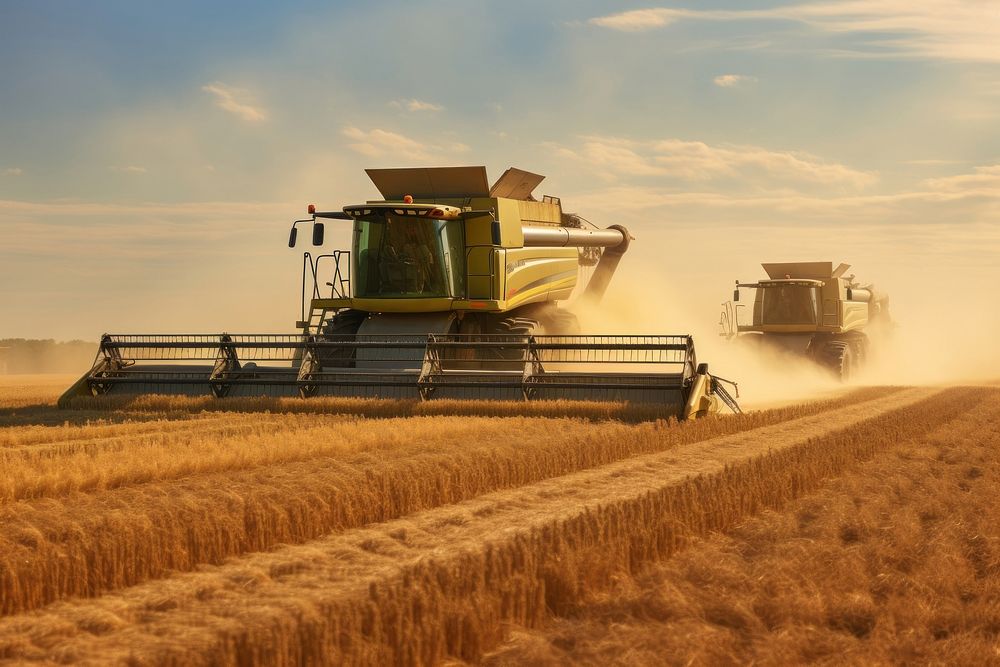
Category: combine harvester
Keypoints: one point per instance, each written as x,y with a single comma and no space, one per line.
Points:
811,309
451,290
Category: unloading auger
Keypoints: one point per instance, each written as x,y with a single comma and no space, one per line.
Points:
450,290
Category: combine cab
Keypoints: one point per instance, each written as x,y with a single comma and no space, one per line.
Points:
811,309
451,289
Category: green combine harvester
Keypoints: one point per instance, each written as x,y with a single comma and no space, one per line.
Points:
451,289
811,310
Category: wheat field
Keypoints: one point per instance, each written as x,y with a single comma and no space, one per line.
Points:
167,530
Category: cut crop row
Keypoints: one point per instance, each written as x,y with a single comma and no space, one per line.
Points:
895,563
86,544
445,581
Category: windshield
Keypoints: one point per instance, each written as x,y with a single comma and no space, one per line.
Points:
789,304
404,256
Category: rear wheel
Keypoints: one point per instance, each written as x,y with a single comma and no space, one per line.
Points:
861,352
837,356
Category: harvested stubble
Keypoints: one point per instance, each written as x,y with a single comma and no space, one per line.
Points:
37,446
55,461
380,407
359,472
443,582
100,430
182,449
897,563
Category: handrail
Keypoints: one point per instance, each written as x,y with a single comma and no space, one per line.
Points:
340,280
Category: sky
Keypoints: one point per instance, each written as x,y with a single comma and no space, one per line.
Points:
152,155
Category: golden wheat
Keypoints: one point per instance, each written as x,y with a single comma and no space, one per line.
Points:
387,408
354,472
98,430
378,407
20,391
238,443
41,461
898,563
443,582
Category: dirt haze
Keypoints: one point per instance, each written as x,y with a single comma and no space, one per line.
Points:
938,284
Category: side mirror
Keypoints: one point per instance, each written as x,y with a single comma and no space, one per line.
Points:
318,230
736,294
292,236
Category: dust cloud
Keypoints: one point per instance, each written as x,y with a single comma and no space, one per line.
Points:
653,305
29,357
941,303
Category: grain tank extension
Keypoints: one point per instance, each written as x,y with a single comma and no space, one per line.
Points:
451,288
811,309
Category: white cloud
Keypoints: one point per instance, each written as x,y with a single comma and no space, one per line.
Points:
965,199
733,80
943,29
234,101
698,161
638,20
415,105
128,169
74,226
982,182
930,162
378,143
194,211
13,171
947,29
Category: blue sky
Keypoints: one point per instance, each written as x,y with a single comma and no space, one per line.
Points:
148,152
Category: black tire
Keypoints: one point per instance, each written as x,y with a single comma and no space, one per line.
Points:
861,352
342,326
516,328
837,356
559,322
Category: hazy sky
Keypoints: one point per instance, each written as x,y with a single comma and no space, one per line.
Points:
152,156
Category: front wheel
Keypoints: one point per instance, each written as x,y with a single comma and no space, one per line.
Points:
342,327
838,357
559,322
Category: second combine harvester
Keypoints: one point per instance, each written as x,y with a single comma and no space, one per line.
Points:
812,309
451,289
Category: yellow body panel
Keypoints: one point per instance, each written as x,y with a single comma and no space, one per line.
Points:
853,315
836,314
498,276
535,274
478,305
701,400
330,304
557,291
415,305
509,216
539,212
786,328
